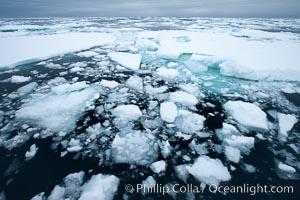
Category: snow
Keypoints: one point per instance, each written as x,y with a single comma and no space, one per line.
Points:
31,153
19,79
183,98
127,112
166,73
109,84
247,114
168,111
128,60
189,122
209,171
136,83
56,112
233,154
286,168
158,166
66,88
134,147
25,49
286,123
100,187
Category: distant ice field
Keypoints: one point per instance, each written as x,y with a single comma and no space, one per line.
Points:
90,105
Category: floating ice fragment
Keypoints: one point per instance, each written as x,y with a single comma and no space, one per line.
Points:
158,166
168,111
233,154
183,98
19,79
127,112
134,148
286,123
209,171
109,84
166,73
189,122
136,83
247,114
286,168
100,187
128,60
31,153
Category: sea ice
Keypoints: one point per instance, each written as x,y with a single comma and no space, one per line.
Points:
56,112
19,79
168,111
189,122
233,154
109,84
247,114
286,168
286,123
100,187
183,98
128,60
19,50
158,166
134,147
27,88
209,171
136,83
127,112
166,73
31,153
66,88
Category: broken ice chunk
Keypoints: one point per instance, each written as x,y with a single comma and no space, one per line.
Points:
166,73
134,148
136,83
286,168
57,193
27,88
233,154
87,54
209,171
168,111
127,112
247,114
65,88
19,79
243,143
31,153
189,122
158,166
128,60
56,112
100,187
182,172
109,84
183,98
286,123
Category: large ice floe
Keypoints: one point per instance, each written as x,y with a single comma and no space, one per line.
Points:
90,105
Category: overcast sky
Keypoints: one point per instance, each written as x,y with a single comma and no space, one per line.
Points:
202,8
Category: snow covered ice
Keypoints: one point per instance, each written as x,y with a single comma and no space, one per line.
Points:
89,105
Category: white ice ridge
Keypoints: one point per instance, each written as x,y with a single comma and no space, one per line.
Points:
24,49
128,60
247,114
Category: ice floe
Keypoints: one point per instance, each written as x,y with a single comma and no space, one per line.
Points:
128,60
247,114
168,111
209,171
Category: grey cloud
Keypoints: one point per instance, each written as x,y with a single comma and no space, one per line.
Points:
210,8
